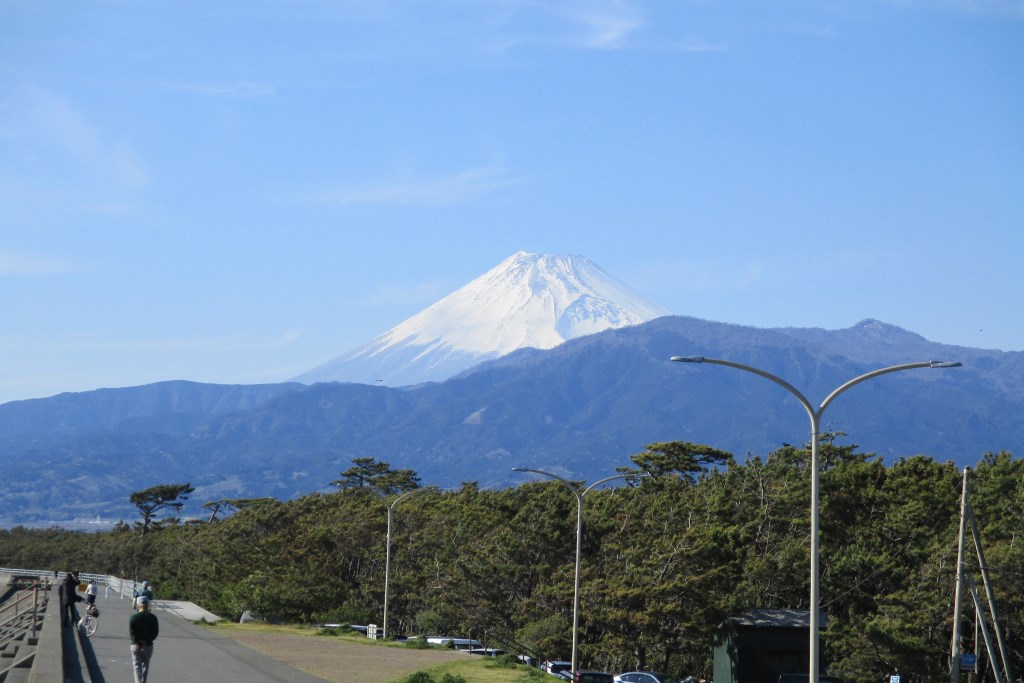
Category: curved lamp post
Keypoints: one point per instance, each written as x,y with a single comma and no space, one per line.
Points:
815,415
579,536
387,555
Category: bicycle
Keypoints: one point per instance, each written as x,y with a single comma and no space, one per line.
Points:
89,621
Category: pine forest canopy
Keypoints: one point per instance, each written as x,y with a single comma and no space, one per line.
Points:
664,563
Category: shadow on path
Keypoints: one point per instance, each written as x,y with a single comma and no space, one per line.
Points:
91,662
69,652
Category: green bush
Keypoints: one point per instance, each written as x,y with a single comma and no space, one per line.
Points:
417,644
419,677
505,661
328,631
452,678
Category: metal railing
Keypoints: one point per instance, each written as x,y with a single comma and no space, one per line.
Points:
21,618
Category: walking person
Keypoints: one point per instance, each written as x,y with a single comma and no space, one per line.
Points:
143,628
143,591
90,593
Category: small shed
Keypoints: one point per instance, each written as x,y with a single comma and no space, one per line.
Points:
760,644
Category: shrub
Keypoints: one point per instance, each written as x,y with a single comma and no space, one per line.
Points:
417,644
452,678
419,677
505,661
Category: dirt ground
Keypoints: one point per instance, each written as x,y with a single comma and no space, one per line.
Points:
338,660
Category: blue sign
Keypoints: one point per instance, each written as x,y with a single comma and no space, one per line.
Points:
968,662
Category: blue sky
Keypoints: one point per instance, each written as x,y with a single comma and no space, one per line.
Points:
236,192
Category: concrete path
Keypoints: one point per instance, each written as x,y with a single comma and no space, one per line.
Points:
183,651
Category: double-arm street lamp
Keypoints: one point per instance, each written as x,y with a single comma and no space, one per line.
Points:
579,537
387,555
815,415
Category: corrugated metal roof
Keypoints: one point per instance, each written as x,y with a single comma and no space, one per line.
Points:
775,618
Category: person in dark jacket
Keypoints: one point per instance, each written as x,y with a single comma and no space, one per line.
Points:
70,586
143,628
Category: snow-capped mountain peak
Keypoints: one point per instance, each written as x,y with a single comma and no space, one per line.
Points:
527,300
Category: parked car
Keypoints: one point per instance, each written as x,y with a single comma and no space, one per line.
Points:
803,678
648,677
556,667
593,677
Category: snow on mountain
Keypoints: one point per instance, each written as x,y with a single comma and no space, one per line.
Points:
527,300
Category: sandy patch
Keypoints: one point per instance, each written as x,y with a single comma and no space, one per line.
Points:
341,661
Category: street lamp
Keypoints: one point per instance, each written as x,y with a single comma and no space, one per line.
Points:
815,415
387,555
579,536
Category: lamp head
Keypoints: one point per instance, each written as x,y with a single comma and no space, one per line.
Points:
687,359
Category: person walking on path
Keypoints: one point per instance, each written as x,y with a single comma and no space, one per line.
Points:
143,628
144,591
90,593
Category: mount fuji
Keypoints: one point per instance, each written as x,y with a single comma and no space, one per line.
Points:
527,300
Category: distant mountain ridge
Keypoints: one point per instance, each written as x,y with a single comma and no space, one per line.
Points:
579,409
528,300
113,408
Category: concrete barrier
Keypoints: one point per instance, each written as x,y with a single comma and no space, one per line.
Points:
48,666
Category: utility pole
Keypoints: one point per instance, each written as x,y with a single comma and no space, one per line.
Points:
954,659
984,631
1004,652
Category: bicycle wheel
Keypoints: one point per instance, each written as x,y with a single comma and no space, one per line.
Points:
87,625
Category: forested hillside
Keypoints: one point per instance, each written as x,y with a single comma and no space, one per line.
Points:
580,408
664,563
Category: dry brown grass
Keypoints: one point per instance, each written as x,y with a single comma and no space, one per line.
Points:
354,659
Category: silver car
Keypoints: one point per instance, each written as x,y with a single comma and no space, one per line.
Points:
649,677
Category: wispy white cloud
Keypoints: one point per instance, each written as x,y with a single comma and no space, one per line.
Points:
58,121
451,189
56,116
583,24
17,264
241,90
605,26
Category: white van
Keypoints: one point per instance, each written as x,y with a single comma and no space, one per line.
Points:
457,643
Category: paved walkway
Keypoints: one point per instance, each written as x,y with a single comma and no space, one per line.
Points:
183,651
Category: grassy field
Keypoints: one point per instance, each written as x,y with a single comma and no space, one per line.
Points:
352,658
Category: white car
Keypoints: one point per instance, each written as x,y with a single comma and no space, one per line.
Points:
649,677
557,667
